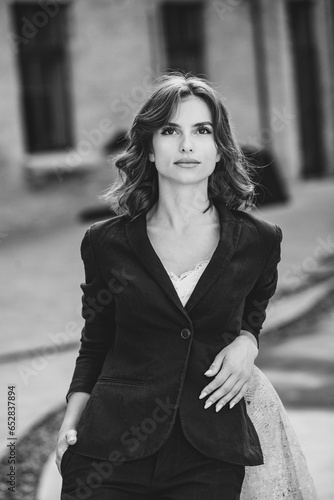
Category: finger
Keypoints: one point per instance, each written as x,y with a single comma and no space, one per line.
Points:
218,389
239,396
216,383
233,393
71,437
215,365
222,377
222,393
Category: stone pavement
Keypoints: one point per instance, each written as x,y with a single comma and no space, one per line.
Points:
42,315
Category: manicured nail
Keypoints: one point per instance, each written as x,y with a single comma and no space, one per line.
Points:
210,369
207,404
231,405
202,395
219,407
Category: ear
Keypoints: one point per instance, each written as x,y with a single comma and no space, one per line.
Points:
151,157
218,157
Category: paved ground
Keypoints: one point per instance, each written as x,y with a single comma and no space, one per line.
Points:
41,302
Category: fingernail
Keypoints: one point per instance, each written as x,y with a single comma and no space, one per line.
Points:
219,406
207,404
208,371
231,405
202,395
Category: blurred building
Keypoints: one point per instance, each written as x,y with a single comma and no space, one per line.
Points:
74,72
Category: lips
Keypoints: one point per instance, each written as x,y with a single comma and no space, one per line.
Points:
187,161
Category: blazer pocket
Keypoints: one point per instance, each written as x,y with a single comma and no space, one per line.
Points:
120,381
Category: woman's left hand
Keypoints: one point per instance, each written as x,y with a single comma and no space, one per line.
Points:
231,369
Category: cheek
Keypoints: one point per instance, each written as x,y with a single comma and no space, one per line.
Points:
162,153
212,153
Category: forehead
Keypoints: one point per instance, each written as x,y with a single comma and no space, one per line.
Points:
191,109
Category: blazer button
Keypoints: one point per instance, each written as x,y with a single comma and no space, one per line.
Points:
185,333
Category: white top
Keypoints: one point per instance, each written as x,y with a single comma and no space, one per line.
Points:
186,282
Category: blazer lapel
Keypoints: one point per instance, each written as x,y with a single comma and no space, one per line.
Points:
229,235
139,242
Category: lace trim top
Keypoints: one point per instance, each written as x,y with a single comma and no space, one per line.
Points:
186,282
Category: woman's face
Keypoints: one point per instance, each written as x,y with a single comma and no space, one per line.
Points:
184,150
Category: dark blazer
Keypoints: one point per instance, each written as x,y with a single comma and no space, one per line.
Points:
143,355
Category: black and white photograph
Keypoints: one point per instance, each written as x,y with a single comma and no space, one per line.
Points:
167,249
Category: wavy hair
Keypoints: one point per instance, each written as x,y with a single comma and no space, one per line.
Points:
136,188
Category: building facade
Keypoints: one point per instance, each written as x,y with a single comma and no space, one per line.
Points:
74,72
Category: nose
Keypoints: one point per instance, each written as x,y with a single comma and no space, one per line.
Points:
186,145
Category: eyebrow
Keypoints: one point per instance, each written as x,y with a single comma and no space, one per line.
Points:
199,124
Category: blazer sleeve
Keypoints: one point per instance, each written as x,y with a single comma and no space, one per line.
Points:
98,311
257,300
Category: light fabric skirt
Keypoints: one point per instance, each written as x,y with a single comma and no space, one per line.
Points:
284,474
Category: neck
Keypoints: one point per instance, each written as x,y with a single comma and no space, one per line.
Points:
181,207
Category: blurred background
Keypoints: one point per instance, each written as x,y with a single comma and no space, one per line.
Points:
73,74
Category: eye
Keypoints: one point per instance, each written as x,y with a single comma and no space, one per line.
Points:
204,130
168,131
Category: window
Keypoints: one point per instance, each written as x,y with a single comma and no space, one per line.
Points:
183,31
301,17
41,43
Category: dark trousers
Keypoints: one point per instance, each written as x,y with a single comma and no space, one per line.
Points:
176,472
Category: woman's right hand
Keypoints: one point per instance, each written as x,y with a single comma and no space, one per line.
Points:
65,439
68,434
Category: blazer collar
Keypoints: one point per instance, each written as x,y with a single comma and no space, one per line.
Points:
136,232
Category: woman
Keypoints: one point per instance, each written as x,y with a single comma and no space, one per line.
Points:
177,284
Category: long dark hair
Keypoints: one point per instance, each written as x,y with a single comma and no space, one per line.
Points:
136,189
